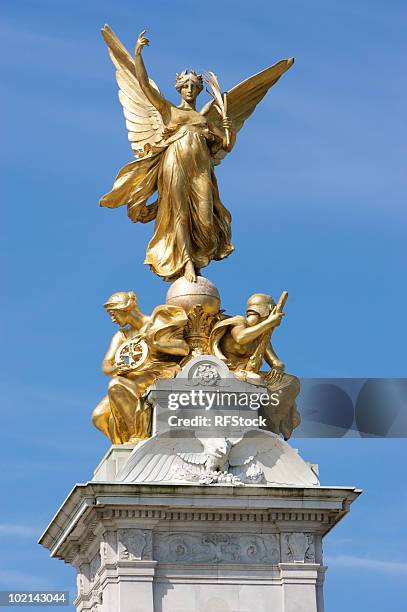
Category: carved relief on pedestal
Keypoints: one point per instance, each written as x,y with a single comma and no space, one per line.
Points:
94,566
206,374
88,584
134,544
96,601
298,547
80,581
103,552
108,547
217,548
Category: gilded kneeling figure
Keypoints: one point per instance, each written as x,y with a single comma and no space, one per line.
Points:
243,343
144,349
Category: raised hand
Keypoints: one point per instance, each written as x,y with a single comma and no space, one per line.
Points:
226,123
142,41
122,368
275,318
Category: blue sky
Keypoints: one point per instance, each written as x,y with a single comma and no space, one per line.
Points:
316,186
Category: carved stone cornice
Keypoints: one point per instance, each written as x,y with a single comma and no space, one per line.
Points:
103,506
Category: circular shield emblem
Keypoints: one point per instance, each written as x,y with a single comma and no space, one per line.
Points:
133,353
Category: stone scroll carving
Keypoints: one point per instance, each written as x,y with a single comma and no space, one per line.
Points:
217,548
134,544
298,547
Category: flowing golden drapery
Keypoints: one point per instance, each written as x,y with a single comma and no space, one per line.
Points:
123,415
179,148
191,222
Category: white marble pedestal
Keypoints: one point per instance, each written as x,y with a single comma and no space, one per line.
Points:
196,548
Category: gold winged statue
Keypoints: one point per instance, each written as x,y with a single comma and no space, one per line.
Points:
177,148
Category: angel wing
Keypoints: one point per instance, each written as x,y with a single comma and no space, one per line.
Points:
280,463
143,121
165,458
243,98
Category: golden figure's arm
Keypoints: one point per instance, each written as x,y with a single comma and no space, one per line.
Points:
143,119
271,358
172,346
221,140
152,95
243,335
109,366
228,146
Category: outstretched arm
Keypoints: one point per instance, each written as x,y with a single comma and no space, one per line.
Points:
244,335
151,94
172,346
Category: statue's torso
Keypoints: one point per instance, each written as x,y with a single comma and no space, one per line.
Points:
180,117
189,125
237,353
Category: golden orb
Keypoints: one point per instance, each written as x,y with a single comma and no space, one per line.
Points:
185,294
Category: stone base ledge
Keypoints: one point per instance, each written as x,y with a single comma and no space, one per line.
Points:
191,548
115,502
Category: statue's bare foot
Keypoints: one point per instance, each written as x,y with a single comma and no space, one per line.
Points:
189,272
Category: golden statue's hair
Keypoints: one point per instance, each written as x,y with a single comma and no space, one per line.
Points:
185,75
122,300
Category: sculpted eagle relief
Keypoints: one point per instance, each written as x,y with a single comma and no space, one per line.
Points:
177,148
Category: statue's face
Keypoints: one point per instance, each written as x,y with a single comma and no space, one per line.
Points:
189,91
252,318
118,316
258,308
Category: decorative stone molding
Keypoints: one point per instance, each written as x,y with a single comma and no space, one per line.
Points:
80,581
96,601
94,566
245,516
108,547
216,548
134,544
298,547
206,374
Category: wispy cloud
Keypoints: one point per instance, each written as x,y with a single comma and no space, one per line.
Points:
398,567
19,531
